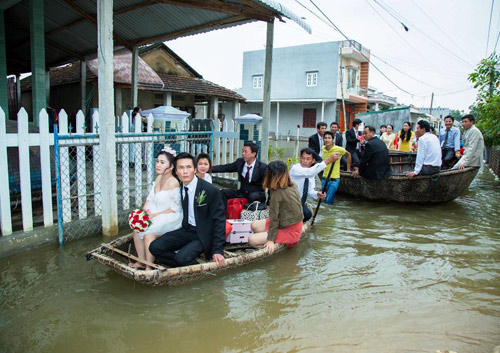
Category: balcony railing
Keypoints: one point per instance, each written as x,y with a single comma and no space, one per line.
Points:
353,44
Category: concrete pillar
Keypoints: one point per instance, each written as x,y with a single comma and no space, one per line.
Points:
118,102
214,108
266,109
18,91
83,86
277,119
47,87
4,98
322,110
135,68
107,117
37,43
167,98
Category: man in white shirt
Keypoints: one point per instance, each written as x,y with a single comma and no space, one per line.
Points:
303,173
429,151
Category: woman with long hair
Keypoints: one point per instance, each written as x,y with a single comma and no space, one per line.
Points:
284,224
163,205
405,137
389,137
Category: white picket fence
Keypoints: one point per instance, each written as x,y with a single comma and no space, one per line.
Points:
226,148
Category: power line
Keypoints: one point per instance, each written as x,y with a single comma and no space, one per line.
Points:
495,49
400,36
350,41
442,31
489,27
402,72
439,45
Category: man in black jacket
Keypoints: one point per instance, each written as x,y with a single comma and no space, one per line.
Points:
203,224
251,174
352,142
374,163
316,140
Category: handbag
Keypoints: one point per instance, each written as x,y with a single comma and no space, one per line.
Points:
255,215
234,207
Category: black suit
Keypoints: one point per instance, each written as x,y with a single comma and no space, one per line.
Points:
251,190
207,237
374,163
351,143
314,143
338,139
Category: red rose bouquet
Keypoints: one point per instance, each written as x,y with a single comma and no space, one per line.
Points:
139,220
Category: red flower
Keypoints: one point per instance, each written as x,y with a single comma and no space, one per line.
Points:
298,126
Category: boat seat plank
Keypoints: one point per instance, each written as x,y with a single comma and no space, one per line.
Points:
132,257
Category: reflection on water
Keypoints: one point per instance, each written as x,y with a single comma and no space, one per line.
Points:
369,278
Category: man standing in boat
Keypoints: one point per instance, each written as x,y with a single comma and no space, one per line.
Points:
473,145
374,163
429,151
449,138
316,140
251,174
303,175
353,144
203,223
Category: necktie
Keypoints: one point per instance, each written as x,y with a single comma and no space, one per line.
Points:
446,138
247,175
305,190
185,208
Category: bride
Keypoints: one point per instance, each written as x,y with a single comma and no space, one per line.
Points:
163,205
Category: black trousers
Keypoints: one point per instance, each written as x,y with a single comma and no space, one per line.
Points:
449,157
307,212
184,241
250,196
429,170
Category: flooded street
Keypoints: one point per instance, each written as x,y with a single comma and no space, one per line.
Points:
369,278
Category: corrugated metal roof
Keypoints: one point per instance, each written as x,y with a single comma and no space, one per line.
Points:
284,11
71,29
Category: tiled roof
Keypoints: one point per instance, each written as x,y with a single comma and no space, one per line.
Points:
198,86
61,75
172,83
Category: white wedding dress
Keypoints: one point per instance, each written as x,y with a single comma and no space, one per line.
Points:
161,201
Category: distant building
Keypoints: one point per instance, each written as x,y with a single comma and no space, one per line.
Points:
438,113
307,86
380,101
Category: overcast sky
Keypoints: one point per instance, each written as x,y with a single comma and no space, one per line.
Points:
445,41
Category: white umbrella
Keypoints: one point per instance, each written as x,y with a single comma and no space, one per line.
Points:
249,118
166,113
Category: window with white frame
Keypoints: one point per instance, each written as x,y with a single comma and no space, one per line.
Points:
257,81
312,79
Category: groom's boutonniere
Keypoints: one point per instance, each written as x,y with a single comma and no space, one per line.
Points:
201,197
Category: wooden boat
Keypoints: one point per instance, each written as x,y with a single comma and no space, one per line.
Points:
442,187
117,253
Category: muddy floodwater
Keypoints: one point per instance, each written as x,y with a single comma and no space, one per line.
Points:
369,278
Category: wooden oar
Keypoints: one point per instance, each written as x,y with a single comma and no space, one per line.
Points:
324,191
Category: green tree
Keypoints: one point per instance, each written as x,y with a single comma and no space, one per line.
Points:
486,78
456,114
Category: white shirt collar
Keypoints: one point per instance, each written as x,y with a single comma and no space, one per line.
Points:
251,165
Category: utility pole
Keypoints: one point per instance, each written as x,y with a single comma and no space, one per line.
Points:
432,101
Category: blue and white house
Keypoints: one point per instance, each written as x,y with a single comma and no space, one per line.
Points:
306,85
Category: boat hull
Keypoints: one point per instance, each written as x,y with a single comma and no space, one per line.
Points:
111,254
446,186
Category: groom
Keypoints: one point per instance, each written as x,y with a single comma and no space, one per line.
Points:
203,224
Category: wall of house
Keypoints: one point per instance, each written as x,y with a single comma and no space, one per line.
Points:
291,115
290,68
163,63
